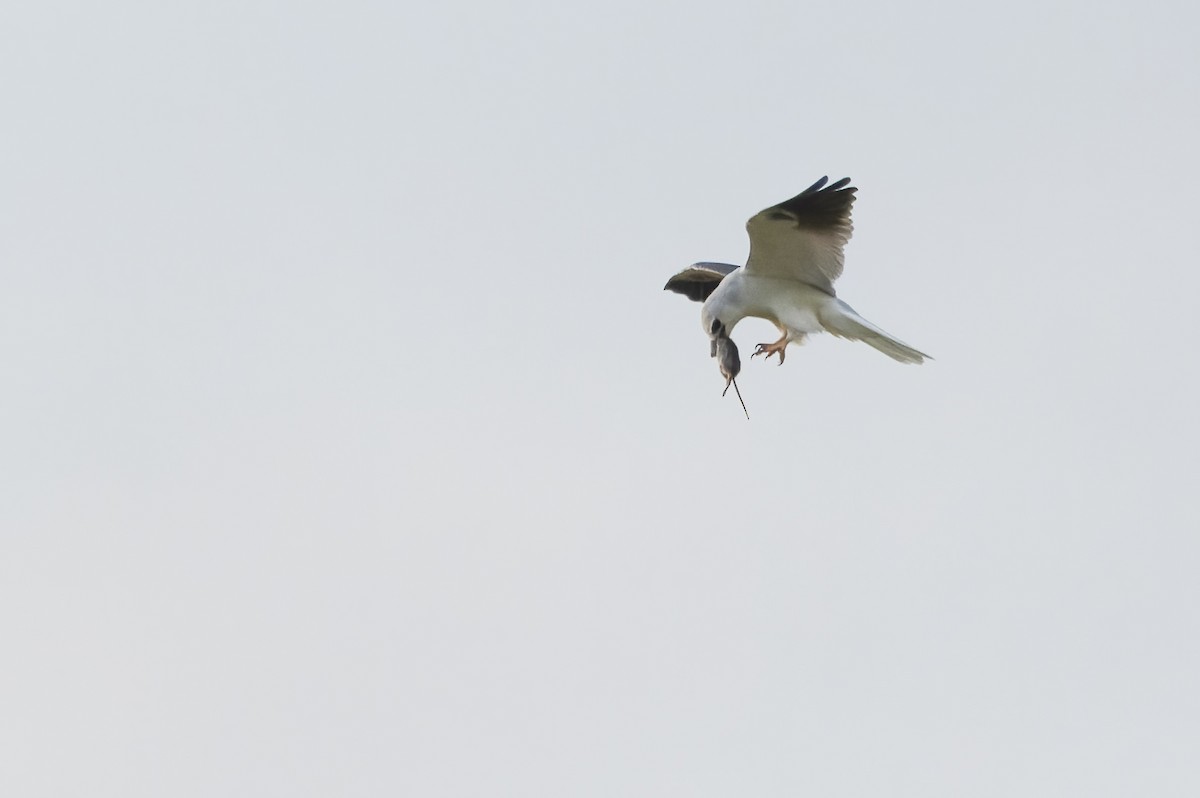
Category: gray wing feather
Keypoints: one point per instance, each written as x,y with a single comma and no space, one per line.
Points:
699,280
802,238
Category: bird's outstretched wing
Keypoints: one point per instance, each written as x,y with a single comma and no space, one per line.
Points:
699,280
802,238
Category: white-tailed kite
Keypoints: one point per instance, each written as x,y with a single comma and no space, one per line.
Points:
795,256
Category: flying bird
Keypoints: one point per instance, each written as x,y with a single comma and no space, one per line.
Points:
795,257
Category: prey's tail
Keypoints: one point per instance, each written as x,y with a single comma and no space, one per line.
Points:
840,319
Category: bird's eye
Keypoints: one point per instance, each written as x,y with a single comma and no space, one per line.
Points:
716,326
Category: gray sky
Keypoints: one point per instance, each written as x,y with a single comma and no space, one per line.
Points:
351,447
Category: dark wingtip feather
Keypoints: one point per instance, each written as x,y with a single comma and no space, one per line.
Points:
817,185
695,290
818,207
699,280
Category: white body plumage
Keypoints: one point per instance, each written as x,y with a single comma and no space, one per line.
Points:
797,309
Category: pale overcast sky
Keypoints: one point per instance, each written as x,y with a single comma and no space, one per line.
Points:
350,446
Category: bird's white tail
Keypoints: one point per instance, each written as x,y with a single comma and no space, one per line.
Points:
840,319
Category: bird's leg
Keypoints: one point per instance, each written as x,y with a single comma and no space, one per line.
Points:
777,348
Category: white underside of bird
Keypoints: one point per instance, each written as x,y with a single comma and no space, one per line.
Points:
797,310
